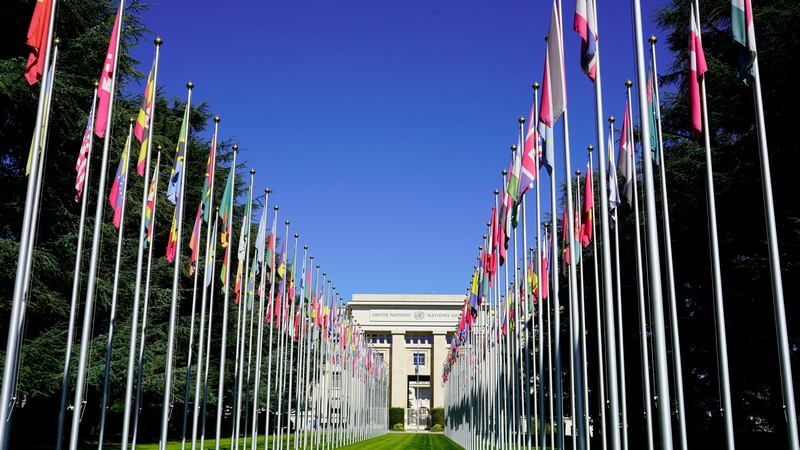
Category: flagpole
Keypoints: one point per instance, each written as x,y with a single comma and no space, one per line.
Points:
146,303
640,288
539,249
206,278
623,391
211,284
23,261
240,327
291,345
281,366
260,342
582,330
784,356
92,276
76,280
673,308
574,339
173,312
556,318
223,344
271,308
601,361
112,319
654,257
187,384
139,258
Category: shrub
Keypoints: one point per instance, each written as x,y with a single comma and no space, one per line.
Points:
437,416
396,415
436,428
398,427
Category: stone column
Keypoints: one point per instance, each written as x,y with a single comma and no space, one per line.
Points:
438,355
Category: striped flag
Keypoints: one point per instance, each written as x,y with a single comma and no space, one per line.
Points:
554,85
83,155
697,67
194,240
652,113
529,150
104,91
546,151
117,195
37,40
613,185
586,26
226,211
174,187
150,207
745,34
625,158
142,127
588,208
209,181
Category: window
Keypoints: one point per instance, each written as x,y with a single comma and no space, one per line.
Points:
417,339
419,359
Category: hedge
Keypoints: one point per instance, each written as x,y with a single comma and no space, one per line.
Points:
396,415
437,416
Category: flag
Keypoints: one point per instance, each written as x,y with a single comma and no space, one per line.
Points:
38,33
209,180
172,243
652,113
744,33
586,26
194,240
261,238
104,91
613,186
513,177
83,155
588,209
547,152
142,127
117,195
150,207
225,209
697,67
625,162
565,250
174,187
545,287
529,155
533,282
241,253
554,85
48,95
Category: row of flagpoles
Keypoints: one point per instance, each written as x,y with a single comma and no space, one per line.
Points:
325,372
497,385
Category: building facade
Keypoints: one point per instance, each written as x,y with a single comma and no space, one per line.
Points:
412,332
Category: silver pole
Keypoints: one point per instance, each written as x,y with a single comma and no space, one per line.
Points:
76,279
212,283
140,366
112,318
787,383
673,309
719,308
648,415
539,247
139,259
188,382
206,279
291,345
173,311
223,344
92,276
654,257
23,261
582,330
271,329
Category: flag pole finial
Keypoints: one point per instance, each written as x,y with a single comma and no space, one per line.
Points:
514,147
57,42
275,207
131,120
628,83
496,191
252,171
96,84
267,191
521,119
216,119
305,247
287,222
323,273
296,236
235,148
504,172
158,41
652,40
590,148
577,173
535,86
611,119
190,85
312,257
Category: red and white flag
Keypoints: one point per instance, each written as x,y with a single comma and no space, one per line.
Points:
106,76
697,67
83,155
554,85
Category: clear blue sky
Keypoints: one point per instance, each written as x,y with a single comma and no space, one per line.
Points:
382,126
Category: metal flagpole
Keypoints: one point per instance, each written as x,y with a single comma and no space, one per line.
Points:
260,342
211,284
559,417
282,344
673,308
539,249
640,285
582,330
223,344
92,276
112,318
206,278
608,294
139,259
173,311
291,345
654,257
154,184
574,338
719,308
76,278
787,383
23,261
601,366
240,327
271,308
188,382
623,391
